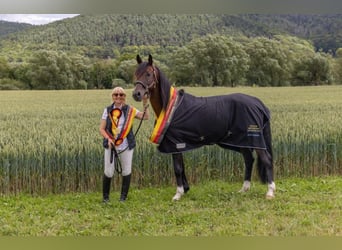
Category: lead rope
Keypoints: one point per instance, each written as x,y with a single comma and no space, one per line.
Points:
115,153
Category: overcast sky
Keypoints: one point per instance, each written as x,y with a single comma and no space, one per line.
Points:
34,18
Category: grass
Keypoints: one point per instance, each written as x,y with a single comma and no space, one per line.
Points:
302,207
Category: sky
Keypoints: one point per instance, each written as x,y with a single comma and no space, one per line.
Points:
36,19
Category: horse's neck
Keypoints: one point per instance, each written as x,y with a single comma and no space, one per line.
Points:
155,101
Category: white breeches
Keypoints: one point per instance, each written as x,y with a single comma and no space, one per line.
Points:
126,162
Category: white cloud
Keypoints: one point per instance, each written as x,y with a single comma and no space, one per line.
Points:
36,19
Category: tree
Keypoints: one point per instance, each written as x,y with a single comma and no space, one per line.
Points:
214,60
102,74
270,63
126,70
337,67
4,68
319,68
56,70
183,69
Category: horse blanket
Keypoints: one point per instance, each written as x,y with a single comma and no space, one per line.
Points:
231,121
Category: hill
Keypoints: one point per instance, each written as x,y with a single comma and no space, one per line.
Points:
12,27
120,30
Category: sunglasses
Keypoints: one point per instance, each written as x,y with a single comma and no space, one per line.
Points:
118,94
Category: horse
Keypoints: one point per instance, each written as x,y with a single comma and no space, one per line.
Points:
184,122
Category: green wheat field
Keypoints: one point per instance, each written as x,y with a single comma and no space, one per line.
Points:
51,167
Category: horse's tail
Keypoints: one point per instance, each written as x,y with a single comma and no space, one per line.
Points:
268,154
268,139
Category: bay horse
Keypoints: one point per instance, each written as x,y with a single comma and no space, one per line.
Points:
184,122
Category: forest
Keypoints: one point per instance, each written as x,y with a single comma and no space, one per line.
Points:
99,51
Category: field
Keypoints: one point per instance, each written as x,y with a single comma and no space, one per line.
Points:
51,164
49,140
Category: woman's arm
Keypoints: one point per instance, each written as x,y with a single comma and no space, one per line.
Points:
104,133
140,115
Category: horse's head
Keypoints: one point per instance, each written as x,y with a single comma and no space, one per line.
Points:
146,78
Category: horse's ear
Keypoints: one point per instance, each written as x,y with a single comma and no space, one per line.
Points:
150,60
139,59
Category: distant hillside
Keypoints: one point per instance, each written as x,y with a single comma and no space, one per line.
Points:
325,31
12,27
120,30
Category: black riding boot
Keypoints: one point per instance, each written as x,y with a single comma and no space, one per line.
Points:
106,188
126,181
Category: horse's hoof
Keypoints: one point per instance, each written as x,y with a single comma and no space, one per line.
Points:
176,198
270,192
179,193
243,190
245,187
269,196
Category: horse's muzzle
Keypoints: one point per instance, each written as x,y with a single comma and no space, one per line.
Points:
137,96
139,91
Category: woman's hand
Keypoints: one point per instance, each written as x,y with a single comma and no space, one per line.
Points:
110,143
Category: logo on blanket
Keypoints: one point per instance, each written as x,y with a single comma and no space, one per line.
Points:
253,130
181,145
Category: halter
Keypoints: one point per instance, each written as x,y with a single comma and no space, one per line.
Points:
147,87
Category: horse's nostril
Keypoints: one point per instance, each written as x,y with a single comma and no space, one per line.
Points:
137,96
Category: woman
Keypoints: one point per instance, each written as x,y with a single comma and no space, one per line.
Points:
119,140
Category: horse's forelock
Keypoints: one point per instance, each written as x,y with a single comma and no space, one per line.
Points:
142,67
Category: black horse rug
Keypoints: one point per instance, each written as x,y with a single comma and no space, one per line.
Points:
231,121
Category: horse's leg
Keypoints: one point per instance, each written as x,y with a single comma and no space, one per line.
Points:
249,160
182,184
265,167
184,179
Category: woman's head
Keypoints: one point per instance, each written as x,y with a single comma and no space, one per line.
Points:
119,95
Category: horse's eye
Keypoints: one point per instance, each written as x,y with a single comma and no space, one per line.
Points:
148,74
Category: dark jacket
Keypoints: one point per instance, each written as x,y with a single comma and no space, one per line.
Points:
130,136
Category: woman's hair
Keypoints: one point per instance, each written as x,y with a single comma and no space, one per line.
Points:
118,90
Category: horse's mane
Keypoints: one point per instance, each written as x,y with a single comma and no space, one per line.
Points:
164,87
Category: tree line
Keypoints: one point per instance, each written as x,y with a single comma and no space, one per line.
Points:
120,30
211,60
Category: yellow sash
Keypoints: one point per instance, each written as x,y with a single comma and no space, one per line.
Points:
164,118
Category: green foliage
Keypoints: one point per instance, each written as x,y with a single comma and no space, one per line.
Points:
4,68
110,31
314,70
10,84
126,70
270,62
215,60
102,74
302,207
207,50
52,70
12,27
337,67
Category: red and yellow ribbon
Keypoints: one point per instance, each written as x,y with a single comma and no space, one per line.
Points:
164,118
129,118
131,112
114,116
